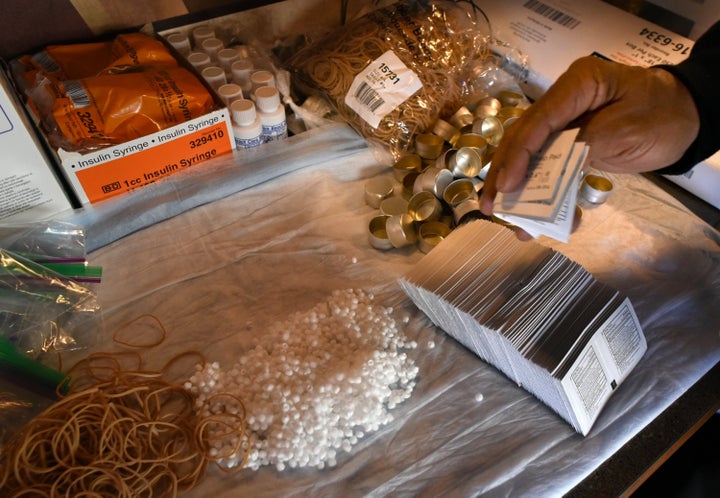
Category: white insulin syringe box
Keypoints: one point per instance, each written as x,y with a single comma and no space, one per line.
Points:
544,37
30,189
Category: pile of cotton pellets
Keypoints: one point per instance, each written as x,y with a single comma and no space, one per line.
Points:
321,381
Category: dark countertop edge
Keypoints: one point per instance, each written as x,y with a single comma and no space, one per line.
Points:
629,467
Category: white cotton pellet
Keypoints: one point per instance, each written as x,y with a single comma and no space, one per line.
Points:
479,397
318,383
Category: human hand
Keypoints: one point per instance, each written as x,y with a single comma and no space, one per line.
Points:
634,119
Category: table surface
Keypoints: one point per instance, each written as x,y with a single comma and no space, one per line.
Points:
220,255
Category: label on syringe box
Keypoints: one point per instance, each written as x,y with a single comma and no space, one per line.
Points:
125,167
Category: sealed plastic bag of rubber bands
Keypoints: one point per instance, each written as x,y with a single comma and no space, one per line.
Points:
392,72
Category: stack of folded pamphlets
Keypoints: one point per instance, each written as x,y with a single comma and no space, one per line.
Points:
537,316
545,203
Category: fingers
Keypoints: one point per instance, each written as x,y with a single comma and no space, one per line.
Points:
583,87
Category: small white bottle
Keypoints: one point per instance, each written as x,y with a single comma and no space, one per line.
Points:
261,78
241,70
272,113
180,42
247,127
225,57
229,93
212,46
215,76
199,60
200,34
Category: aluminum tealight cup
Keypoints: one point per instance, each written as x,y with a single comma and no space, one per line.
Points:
377,233
466,209
408,183
507,113
489,106
433,180
446,131
424,206
462,118
467,162
490,128
428,145
406,164
377,189
430,234
473,140
509,98
401,230
596,189
393,205
459,191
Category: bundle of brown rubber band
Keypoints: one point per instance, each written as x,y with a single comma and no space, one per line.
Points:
439,41
121,430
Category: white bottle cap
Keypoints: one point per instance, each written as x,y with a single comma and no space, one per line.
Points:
199,60
262,78
227,56
243,112
229,92
202,33
241,70
180,42
212,46
214,75
267,98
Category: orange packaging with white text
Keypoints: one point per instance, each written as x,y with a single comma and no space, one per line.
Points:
121,168
121,114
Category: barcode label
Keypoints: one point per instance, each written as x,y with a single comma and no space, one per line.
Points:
77,93
369,97
382,86
46,62
552,13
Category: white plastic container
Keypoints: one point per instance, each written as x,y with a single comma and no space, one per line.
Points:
180,42
200,34
229,93
215,76
212,46
247,127
225,57
241,70
272,113
199,60
261,78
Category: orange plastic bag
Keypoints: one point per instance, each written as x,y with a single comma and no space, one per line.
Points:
82,60
114,108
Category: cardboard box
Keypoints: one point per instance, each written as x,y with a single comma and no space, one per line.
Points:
29,188
551,34
545,37
110,171
122,168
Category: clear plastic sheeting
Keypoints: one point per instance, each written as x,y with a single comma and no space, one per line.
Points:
110,220
220,274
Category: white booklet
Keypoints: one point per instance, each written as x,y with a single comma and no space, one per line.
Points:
545,202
